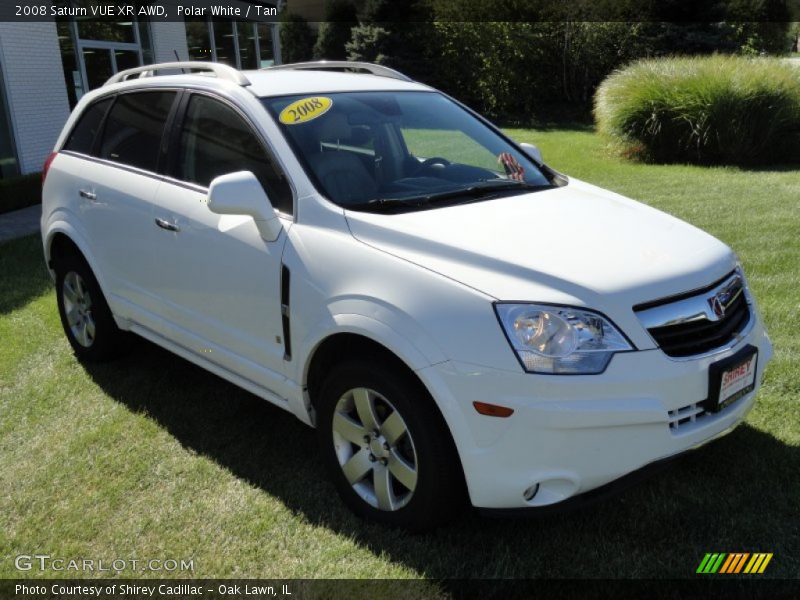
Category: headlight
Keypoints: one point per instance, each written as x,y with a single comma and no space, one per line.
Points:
560,340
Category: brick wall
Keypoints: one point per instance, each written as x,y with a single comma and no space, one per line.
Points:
35,88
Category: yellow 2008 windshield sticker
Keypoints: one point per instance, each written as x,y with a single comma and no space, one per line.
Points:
305,109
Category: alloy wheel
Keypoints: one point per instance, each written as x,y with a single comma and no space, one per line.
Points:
375,449
78,309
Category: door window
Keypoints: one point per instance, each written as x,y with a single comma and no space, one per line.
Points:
82,137
215,141
134,128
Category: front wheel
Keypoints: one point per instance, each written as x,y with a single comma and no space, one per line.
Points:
387,448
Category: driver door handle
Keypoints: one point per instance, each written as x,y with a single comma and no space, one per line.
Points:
167,225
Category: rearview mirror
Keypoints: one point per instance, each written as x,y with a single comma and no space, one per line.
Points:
241,193
533,152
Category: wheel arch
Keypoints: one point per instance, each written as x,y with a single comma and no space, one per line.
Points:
340,346
344,345
64,240
340,329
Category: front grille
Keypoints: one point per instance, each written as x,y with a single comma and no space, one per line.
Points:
697,337
699,321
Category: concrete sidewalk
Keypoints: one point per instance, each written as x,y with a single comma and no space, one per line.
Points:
20,223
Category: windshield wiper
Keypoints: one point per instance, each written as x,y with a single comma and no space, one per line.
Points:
384,204
482,188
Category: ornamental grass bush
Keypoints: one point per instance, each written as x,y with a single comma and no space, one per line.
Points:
707,110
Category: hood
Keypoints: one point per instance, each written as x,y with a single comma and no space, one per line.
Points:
576,244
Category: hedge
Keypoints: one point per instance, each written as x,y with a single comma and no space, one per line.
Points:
19,192
707,110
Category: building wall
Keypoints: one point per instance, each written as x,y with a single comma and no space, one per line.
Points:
37,96
167,38
36,92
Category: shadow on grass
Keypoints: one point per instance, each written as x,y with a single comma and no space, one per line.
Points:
23,275
735,495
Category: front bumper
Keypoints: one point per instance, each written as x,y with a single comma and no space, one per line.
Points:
572,434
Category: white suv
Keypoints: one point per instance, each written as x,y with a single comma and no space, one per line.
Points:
456,319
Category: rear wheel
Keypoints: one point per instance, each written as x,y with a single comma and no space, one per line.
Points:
387,448
85,315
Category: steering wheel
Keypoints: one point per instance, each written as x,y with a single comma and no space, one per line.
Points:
429,162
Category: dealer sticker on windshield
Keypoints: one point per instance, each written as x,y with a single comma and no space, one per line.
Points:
305,110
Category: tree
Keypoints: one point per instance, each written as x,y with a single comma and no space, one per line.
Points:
297,39
398,34
340,18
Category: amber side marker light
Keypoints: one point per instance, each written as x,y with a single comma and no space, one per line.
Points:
492,410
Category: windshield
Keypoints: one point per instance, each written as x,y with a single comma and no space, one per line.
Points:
371,150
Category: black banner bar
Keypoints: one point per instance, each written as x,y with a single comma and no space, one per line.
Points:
416,11
708,586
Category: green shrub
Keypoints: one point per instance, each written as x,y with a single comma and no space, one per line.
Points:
335,31
19,192
297,39
710,110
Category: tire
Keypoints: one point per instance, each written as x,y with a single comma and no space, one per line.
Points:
414,481
85,315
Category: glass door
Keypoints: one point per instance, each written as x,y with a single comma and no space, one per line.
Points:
92,51
97,65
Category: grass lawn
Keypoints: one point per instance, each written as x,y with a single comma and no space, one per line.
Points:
151,457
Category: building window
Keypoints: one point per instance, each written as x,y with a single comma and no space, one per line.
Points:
224,42
266,51
8,153
242,44
198,39
246,37
92,50
90,29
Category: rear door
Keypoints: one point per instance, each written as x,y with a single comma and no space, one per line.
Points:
116,190
217,279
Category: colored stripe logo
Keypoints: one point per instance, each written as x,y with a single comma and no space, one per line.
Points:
734,563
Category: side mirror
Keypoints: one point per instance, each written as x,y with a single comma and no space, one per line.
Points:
241,193
533,152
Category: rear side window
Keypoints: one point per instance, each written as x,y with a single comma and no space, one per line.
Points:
215,141
84,133
134,127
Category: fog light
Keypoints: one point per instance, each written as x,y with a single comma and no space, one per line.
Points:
530,492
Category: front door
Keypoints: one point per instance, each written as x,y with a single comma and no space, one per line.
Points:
218,281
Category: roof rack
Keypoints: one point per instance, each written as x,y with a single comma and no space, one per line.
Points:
222,71
342,65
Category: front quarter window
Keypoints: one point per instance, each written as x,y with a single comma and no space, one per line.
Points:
215,140
409,150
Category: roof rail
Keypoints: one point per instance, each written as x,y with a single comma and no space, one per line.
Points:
343,65
222,71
